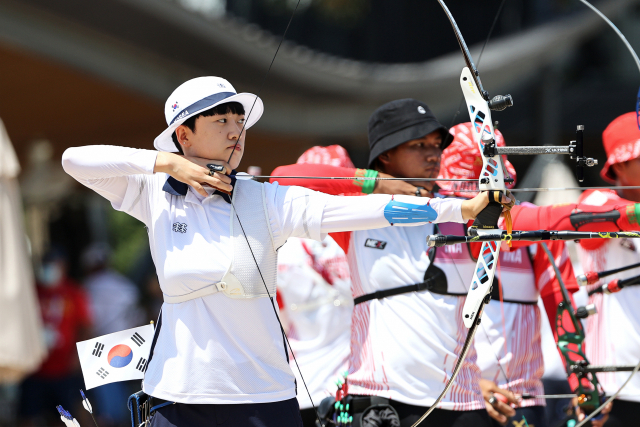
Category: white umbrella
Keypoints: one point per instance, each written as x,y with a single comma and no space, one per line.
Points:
22,346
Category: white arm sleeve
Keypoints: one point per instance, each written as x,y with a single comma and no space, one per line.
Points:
299,212
113,172
344,213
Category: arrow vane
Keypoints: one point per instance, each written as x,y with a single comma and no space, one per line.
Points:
87,405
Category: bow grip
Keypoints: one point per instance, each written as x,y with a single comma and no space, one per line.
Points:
488,218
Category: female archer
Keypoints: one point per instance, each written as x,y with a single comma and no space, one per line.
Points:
220,353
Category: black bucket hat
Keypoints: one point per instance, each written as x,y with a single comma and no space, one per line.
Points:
399,121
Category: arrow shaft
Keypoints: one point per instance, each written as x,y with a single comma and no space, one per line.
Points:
364,178
617,270
438,240
547,396
513,190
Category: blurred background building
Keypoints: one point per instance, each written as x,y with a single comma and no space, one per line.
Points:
77,72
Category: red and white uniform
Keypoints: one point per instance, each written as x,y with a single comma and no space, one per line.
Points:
402,347
509,333
314,294
613,334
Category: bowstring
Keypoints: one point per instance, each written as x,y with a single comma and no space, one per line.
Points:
275,311
637,61
264,79
244,125
506,377
484,45
493,25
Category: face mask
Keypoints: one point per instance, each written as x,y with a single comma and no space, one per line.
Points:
50,275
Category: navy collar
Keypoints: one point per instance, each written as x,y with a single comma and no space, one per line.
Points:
177,188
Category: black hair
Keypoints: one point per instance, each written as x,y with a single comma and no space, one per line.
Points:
218,110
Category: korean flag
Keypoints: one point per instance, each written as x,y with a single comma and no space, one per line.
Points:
120,356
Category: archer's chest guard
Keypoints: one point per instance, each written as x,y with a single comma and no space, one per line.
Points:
243,279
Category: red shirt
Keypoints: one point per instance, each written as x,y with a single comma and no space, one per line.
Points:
65,310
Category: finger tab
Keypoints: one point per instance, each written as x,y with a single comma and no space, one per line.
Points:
215,168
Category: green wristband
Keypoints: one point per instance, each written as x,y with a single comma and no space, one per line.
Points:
633,213
368,185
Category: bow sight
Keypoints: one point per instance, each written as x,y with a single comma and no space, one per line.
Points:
501,102
574,150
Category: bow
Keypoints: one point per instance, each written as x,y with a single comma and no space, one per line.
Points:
491,178
571,336
570,342
485,229
582,374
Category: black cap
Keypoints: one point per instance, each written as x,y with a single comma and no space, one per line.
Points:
399,121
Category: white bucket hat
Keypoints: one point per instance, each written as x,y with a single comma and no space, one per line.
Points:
200,94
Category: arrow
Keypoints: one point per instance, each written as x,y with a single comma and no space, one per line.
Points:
364,178
87,405
66,417
615,286
373,178
591,277
526,396
438,240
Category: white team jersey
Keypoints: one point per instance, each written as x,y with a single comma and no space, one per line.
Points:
613,334
216,349
521,357
405,347
314,290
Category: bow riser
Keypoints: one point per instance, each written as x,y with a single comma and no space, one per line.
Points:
492,174
482,281
491,178
571,345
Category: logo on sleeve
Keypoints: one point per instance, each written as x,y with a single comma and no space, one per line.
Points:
179,227
375,244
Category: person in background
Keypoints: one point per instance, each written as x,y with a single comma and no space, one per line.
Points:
405,334
114,303
314,294
613,334
67,320
508,343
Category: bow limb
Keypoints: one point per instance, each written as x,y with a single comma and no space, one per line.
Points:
610,399
571,345
463,354
626,43
618,32
491,178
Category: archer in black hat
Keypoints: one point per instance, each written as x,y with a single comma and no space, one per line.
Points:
406,141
